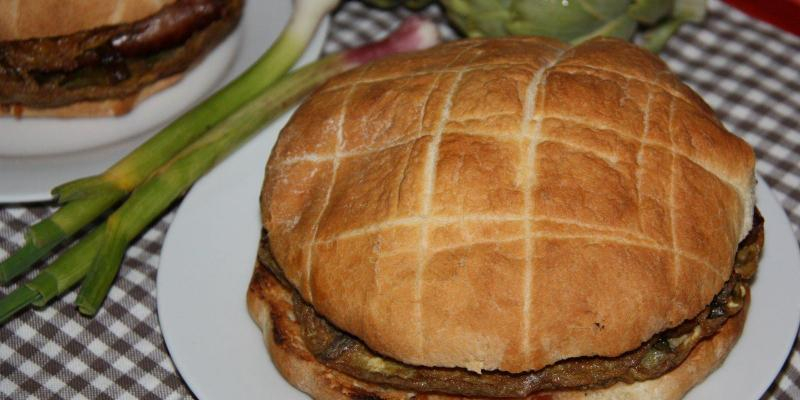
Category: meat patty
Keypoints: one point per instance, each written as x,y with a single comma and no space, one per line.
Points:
342,352
112,61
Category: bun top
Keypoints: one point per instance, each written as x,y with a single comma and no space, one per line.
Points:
24,19
507,203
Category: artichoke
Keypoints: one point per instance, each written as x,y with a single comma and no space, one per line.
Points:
568,20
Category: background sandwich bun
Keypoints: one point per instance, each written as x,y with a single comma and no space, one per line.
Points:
87,58
26,19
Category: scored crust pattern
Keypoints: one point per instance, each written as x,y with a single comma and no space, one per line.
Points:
431,203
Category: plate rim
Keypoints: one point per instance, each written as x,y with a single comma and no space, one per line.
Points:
782,228
312,52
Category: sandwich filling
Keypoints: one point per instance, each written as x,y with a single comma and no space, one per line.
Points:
112,61
663,352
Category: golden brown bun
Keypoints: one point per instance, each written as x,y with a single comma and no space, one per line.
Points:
23,19
270,307
507,203
100,108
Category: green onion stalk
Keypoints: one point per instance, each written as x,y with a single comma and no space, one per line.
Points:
98,256
87,198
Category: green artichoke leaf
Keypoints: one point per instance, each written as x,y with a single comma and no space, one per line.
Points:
656,37
621,27
690,10
552,18
478,18
650,11
568,20
565,20
603,9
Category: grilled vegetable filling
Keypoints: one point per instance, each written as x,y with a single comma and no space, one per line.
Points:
112,61
663,352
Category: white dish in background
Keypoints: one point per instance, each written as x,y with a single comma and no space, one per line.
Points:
39,153
29,137
208,257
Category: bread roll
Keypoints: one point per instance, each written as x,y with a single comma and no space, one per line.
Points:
503,204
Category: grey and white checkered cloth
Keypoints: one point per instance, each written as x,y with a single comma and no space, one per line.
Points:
747,70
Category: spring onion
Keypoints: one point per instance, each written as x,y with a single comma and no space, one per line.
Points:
98,256
87,198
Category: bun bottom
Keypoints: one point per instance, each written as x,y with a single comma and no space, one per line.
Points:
270,306
97,108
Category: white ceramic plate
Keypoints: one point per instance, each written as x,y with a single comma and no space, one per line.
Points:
38,154
208,258
29,137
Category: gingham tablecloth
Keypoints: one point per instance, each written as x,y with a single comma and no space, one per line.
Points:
748,71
